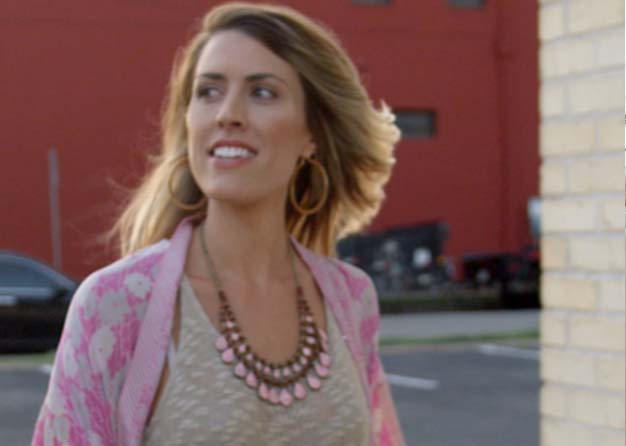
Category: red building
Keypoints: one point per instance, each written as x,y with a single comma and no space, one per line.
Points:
85,80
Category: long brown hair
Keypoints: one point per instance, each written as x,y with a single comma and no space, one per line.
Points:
354,141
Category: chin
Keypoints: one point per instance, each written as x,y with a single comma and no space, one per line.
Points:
236,197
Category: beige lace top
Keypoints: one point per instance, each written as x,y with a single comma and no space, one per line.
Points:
203,403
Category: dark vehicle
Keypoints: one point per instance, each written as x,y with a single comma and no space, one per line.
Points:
403,258
515,274
33,302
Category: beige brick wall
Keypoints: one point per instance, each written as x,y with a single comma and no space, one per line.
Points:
582,247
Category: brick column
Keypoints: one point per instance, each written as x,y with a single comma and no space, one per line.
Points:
582,245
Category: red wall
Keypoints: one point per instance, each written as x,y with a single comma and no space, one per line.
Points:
88,79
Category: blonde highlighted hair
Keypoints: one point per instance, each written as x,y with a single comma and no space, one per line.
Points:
354,140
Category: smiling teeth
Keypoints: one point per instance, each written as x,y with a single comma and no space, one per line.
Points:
232,152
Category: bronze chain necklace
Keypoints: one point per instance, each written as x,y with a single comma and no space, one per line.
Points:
276,383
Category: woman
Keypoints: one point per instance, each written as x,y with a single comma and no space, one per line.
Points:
228,319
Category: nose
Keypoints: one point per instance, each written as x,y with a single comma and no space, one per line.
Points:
231,113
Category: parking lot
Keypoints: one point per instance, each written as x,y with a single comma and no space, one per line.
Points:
469,394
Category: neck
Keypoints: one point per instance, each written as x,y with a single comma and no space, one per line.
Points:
247,246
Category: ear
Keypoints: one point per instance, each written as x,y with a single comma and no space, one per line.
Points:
310,150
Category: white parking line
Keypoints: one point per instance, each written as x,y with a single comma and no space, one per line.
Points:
511,352
414,383
46,369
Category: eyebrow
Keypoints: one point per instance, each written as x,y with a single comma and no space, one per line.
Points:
249,78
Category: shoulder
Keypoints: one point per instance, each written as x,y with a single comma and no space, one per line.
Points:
107,308
360,287
337,273
93,354
359,282
132,272
144,261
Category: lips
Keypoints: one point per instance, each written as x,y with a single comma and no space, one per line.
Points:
231,143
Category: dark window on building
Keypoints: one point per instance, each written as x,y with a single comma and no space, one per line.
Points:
468,4
416,124
371,2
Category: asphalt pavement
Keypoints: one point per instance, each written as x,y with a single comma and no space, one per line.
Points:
430,393
467,395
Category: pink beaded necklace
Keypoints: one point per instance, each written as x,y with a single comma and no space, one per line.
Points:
276,383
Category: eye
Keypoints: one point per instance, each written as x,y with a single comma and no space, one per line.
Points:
205,91
267,93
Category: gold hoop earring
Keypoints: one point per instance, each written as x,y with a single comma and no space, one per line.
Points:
325,182
170,189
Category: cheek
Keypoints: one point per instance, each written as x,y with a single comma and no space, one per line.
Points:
287,130
191,120
196,127
195,121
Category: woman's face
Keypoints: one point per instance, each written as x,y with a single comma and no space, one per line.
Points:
245,96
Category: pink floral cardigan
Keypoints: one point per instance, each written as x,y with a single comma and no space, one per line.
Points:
114,342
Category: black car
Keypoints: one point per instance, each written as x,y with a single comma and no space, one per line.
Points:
33,302
515,274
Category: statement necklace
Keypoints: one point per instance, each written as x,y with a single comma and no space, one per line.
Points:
276,383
